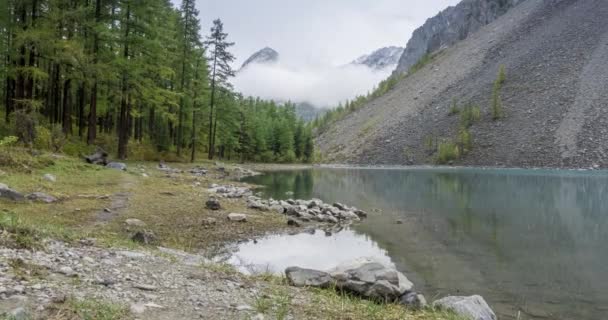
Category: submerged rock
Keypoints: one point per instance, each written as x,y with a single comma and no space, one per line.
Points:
300,277
473,307
10,194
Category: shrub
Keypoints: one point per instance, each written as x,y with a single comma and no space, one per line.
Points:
43,138
469,115
465,139
267,156
497,110
447,151
454,108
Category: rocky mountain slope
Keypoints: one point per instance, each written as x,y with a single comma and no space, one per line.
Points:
554,97
264,56
450,26
386,57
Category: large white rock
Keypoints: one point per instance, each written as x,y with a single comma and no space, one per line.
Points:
473,307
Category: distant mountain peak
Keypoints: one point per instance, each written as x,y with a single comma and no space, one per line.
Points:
265,56
381,58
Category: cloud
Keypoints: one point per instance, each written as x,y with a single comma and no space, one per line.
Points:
322,86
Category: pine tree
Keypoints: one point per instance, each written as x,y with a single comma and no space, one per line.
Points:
220,59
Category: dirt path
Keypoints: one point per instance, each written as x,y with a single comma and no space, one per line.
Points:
119,201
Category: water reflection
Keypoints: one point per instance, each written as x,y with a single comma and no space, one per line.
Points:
316,249
529,240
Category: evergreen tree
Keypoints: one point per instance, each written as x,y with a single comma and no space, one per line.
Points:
220,59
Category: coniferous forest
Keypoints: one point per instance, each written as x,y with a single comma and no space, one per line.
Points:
137,79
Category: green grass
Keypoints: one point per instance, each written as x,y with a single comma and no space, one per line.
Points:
332,304
447,151
88,309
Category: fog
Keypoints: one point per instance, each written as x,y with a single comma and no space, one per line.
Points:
322,86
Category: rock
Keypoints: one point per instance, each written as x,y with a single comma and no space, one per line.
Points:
237,217
300,277
132,254
49,177
413,300
371,280
213,204
293,222
144,237
117,165
135,223
473,307
145,175
99,157
244,307
18,314
10,194
145,287
41,197
67,271
137,308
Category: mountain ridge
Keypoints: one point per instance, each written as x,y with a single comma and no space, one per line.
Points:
553,96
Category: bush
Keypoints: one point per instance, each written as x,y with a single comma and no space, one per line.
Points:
448,151
497,110
454,108
465,139
289,157
267,156
469,115
43,138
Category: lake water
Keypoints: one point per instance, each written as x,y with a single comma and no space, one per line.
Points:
533,242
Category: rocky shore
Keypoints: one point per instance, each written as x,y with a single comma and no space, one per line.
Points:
132,266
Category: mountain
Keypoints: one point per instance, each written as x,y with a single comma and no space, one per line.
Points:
386,57
308,112
554,95
450,26
264,56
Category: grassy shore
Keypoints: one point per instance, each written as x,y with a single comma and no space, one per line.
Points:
94,203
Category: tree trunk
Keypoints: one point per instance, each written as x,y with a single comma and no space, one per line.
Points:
92,132
211,105
123,134
81,103
67,108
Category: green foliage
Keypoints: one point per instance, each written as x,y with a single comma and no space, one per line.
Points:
422,62
497,109
465,140
8,141
454,108
469,115
447,152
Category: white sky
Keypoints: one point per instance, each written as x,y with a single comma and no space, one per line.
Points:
318,31
314,38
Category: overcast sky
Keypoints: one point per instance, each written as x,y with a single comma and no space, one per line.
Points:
315,39
318,31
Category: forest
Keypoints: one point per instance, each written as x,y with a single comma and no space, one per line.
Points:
137,79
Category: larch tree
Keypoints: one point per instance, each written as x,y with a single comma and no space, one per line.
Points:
220,59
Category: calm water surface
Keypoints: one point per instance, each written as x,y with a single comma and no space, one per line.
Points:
529,241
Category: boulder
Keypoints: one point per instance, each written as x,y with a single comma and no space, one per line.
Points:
99,157
473,307
413,300
117,166
213,204
41,197
371,280
135,223
293,222
237,217
10,194
49,177
144,237
300,277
